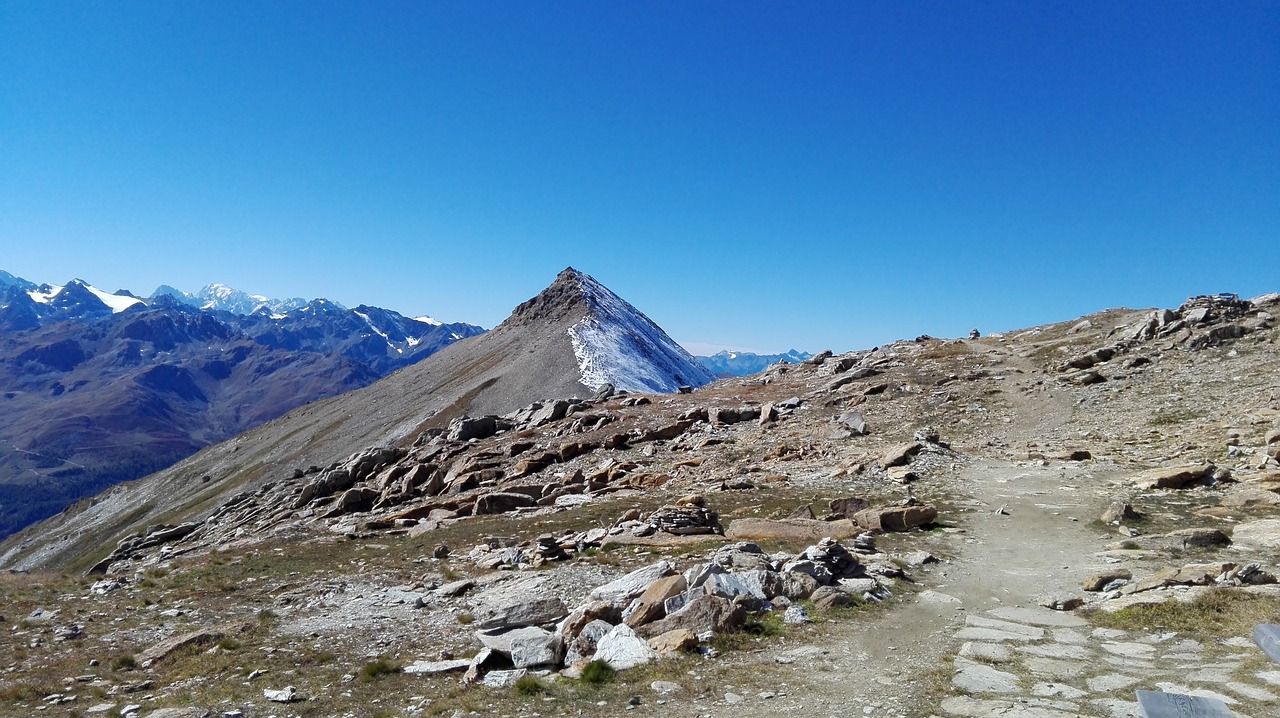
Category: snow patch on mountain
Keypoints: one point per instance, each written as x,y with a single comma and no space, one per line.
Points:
616,344
46,293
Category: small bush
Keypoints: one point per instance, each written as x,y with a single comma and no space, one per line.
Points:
124,662
770,624
598,673
527,685
379,668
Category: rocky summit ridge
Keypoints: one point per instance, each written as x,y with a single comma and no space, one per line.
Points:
970,527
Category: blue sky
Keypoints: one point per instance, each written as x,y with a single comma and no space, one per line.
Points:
756,175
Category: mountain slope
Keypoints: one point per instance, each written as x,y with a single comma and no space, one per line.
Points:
529,357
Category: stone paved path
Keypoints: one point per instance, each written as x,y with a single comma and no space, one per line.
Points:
1015,660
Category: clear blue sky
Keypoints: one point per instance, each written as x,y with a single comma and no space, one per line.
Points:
757,175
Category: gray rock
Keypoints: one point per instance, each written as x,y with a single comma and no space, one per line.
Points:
624,589
288,694
544,649
854,422
503,679
434,667
535,611
795,615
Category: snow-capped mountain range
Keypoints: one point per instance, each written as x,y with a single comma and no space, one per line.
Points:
101,387
727,363
228,299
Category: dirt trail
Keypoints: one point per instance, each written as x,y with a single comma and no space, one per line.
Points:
885,665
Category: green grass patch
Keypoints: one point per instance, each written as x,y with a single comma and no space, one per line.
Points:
380,668
1220,613
598,673
528,685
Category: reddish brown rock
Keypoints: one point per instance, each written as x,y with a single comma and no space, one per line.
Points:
900,455
649,606
1174,477
895,518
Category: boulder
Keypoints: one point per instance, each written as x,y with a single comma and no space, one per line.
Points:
516,611
650,605
677,641
621,648
826,598
759,584
1263,534
705,613
854,422
1200,537
622,590
360,498
895,518
1174,477
848,506
541,649
466,428
741,556
900,455
1096,581
1119,511
500,502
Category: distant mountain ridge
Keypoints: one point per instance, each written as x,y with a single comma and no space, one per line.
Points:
104,387
728,363
223,298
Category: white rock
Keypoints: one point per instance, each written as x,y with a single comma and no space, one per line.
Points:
288,694
621,648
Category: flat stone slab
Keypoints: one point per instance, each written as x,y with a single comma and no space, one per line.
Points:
1272,677
1006,626
1054,668
1038,617
1055,650
994,652
1110,682
1130,650
1057,690
937,597
433,667
1117,708
976,708
1109,634
1253,693
1070,636
980,678
1155,704
990,634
